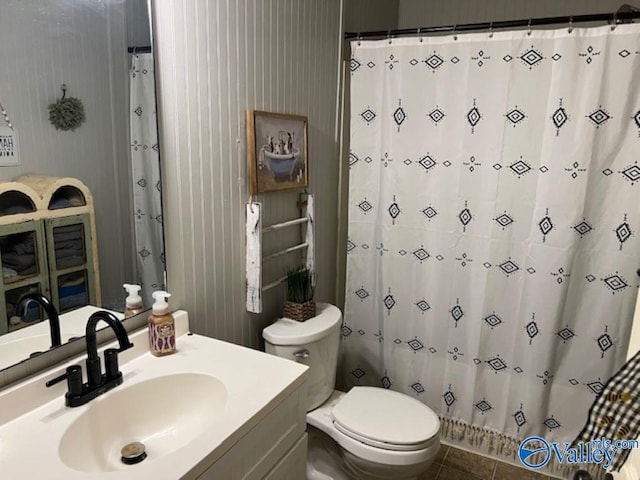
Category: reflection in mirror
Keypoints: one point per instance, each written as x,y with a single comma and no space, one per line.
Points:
80,214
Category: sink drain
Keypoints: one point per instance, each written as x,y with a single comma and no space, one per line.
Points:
133,453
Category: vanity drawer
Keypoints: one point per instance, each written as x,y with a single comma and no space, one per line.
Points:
256,454
294,464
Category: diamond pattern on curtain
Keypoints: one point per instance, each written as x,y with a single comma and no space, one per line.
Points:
493,222
145,158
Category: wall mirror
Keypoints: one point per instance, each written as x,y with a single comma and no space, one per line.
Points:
98,51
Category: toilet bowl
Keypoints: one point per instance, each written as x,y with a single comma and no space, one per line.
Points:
366,433
369,426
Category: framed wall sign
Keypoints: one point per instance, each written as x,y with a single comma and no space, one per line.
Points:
9,147
277,151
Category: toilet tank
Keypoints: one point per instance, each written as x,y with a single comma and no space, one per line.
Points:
313,343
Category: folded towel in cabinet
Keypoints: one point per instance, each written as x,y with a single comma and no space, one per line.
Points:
18,262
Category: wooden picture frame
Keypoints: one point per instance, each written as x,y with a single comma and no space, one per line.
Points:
277,151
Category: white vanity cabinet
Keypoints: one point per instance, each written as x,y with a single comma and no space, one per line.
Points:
274,449
227,413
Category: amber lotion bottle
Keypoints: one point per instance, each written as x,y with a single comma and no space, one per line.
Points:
162,332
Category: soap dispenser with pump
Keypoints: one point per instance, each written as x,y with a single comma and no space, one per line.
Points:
162,333
133,301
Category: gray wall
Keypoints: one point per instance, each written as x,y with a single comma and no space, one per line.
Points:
138,31
45,44
421,13
366,15
215,60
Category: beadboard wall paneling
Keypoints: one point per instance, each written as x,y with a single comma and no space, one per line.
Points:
215,59
82,44
420,13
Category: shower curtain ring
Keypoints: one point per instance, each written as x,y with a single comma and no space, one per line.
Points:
455,36
419,30
491,30
529,27
615,21
389,36
358,38
570,24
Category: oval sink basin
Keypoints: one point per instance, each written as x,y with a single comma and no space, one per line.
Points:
164,413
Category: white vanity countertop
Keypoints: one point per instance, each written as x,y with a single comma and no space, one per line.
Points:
33,418
18,345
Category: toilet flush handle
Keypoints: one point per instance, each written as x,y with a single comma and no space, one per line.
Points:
304,353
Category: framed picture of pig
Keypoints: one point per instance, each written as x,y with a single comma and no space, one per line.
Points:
277,151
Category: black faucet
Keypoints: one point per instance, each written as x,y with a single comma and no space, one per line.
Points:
45,303
94,375
97,383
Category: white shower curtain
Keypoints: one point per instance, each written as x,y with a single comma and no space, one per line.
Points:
145,157
494,216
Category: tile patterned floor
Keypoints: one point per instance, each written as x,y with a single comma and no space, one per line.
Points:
455,464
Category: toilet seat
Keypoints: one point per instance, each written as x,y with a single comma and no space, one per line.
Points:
385,419
322,419
382,445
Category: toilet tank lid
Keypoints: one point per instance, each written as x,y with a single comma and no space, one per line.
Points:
290,332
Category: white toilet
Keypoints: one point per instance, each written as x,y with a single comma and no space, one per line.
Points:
367,433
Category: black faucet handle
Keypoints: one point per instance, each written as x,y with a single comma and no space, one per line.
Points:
94,372
122,349
73,375
111,363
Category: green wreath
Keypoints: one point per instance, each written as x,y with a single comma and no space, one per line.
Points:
66,113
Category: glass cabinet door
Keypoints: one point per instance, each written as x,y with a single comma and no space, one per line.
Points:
71,262
24,269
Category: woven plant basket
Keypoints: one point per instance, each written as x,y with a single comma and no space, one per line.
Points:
300,311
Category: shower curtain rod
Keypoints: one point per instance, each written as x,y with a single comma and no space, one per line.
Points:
616,18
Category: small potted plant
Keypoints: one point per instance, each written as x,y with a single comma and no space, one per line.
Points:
299,304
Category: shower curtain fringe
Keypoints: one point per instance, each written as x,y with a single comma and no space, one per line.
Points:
505,447
498,443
